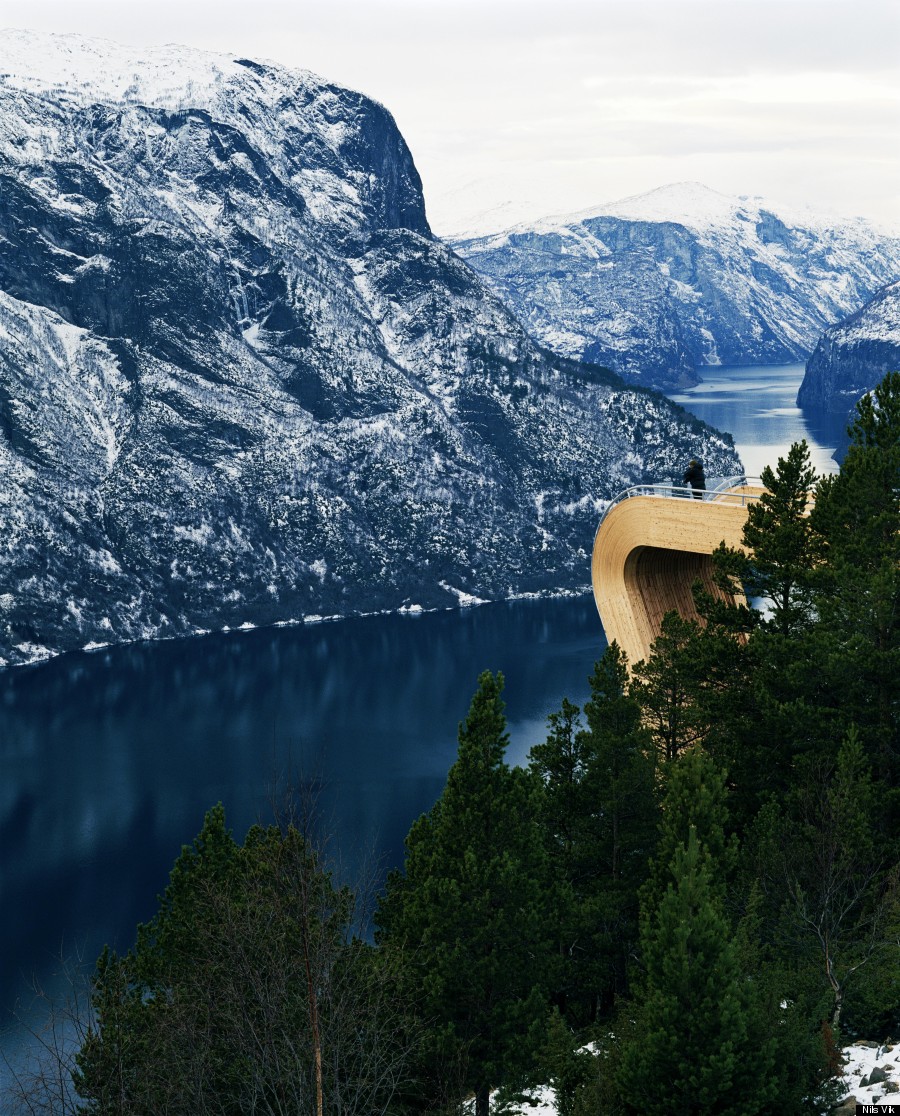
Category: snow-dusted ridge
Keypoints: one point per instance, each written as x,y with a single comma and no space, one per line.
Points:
701,208
70,67
658,285
240,381
686,203
853,356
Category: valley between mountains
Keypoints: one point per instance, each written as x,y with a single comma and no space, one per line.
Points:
242,383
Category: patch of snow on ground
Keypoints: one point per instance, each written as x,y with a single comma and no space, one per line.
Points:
465,599
861,1058
34,652
201,535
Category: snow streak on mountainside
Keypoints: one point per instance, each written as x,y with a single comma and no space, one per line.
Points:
656,286
240,381
853,356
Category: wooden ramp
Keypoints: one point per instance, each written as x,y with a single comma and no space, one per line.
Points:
653,543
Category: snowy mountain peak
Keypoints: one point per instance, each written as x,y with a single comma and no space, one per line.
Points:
240,381
99,70
657,285
179,108
103,71
685,203
695,206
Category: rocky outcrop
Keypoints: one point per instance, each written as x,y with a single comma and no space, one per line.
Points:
853,356
660,285
240,381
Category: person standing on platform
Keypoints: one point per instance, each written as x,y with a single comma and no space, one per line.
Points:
695,478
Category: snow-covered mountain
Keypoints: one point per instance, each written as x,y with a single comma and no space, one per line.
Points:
242,383
658,285
853,356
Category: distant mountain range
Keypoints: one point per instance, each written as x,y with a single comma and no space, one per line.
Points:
657,286
242,383
853,356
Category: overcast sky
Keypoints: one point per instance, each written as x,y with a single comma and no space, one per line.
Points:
521,109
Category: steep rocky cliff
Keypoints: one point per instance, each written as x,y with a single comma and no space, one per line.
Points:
659,285
240,381
853,356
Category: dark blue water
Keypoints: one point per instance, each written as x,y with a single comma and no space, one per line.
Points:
109,760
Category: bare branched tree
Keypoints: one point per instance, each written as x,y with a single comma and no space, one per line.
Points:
38,1075
250,992
843,897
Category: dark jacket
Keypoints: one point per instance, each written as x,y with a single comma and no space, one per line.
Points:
695,477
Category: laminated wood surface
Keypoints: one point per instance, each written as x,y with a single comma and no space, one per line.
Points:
649,551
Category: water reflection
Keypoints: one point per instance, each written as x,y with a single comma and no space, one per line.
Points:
757,406
110,759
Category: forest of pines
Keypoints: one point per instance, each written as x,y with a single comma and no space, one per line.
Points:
684,904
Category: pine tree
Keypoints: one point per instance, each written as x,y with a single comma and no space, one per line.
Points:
784,549
598,816
246,992
699,1045
695,798
621,783
620,773
667,685
560,763
773,709
693,1041
469,909
566,817
857,515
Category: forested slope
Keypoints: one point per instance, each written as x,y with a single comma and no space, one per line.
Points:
699,873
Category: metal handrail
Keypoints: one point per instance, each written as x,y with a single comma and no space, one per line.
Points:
722,492
738,481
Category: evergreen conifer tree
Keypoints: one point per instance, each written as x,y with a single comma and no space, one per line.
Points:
667,685
246,992
695,798
598,815
857,514
699,1046
784,548
621,784
775,708
469,910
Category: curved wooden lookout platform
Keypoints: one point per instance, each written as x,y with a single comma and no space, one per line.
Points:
652,544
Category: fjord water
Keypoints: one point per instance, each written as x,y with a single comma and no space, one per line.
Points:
109,759
758,407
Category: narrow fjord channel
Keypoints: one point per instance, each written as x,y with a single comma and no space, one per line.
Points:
758,407
108,760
